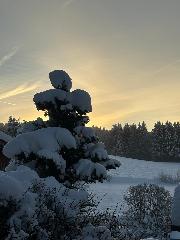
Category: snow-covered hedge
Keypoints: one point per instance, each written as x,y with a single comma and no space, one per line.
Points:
43,209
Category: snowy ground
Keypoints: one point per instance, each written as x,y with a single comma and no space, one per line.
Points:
131,172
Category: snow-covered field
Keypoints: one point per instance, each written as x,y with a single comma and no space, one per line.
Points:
131,172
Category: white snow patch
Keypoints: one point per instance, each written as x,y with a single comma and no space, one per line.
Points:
175,235
131,172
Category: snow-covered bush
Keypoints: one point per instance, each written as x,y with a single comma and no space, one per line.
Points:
17,204
148,212
40,208
35,208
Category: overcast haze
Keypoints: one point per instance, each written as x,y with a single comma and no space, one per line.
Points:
125,53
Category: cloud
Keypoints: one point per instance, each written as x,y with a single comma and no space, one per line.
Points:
67,3
8,103
169,65
24,88
8,56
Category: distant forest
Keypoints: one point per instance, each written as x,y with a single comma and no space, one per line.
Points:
162,143
135,141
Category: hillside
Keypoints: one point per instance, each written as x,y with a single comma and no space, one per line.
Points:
131,172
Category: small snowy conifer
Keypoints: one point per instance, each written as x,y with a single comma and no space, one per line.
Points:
86,159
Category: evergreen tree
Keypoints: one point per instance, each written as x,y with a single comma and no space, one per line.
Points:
12,126
157,141
144,142
86,159
133,142
169,141
115,140
176,147
126,140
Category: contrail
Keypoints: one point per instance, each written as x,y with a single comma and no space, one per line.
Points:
18,90
9,103
8,56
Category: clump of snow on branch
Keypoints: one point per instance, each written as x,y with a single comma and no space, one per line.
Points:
84,135
52,139
81,100
60,79
111,163
87,170
97,151
57,158
78,99
50,97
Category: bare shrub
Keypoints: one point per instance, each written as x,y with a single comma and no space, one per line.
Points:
148,212
168,178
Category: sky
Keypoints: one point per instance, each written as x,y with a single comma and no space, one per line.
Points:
125,53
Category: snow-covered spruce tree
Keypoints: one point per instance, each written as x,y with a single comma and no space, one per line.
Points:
68,109
12,126
38,195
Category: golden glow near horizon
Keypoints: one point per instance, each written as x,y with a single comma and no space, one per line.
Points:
126,54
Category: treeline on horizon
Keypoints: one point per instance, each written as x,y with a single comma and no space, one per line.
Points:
162,143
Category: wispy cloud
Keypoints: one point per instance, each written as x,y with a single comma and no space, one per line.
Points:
8,103
24,88
8,56
167,66
67,3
